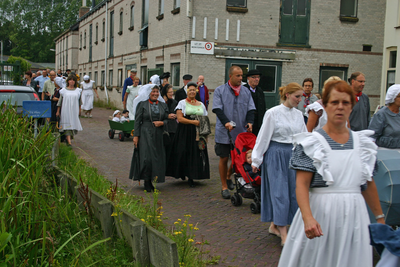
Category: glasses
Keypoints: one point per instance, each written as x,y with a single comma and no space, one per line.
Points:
360,81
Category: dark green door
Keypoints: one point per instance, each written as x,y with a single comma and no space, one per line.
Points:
270,79
295,21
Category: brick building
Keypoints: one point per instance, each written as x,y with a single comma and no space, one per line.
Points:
287,40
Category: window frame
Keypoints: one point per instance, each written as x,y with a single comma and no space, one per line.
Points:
103,77
110,78
161,5
121,22
234,5
132,18
175,77
348,17
97,34
327,68
104,31
80,42
84,40
177,4
120,78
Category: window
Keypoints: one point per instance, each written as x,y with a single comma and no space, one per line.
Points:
175,74
90,76
111,53
236,3
348,8
145,13
119,78
66,51
177,4
110,78
326,72
121,22
295,23
160,7
84,41
90,42
132,17
104,31
95,77
80,42
103,78
143,74
97,34
391,71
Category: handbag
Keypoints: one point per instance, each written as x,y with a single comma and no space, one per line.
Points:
204,127
134,173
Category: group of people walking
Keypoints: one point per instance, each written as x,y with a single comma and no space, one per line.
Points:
166,135
68,99
316,173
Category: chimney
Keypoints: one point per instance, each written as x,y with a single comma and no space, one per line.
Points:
93,3
83,9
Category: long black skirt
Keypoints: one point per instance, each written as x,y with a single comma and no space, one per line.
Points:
186,159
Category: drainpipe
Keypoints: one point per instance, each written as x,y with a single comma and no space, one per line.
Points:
105,55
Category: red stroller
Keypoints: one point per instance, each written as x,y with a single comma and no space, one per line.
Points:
245,185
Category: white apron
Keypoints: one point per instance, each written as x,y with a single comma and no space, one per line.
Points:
87,95
341,211
69,119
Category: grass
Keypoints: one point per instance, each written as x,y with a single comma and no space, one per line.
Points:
39,225
148,209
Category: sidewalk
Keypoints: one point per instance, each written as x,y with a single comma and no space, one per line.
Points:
233,233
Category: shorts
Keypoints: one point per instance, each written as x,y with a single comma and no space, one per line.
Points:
222,150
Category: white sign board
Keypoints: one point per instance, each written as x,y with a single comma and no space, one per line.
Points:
205,48
8,68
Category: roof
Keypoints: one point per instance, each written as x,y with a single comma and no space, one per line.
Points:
34,65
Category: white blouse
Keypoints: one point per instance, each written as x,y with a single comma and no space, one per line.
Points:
317,108
280,123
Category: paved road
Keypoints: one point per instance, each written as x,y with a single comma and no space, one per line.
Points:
233,233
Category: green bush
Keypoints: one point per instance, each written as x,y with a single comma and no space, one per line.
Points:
39,226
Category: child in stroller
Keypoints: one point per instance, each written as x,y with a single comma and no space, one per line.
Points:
247,183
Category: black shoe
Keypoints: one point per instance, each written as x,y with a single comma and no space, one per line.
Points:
148,186
191,183
229,183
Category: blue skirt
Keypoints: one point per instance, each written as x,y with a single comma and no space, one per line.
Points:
278,185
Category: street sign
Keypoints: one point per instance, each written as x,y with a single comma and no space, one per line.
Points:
205,48
37,109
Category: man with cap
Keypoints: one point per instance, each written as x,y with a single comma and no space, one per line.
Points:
181,93
128,82
253,79
203,91
360,116
234,108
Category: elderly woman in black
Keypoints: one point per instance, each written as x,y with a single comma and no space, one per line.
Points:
172,124
150,118
189,153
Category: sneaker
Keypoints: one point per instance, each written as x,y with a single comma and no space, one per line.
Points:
225,194
229,183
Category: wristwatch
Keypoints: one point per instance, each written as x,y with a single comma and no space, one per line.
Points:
380,216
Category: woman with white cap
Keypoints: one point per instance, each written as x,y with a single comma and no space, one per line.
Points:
150,117
88,87
386,122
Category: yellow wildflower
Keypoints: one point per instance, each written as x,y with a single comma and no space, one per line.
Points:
114,214
188,215
175,233
190,240
176,222
143,220
196,228
179,220
184,225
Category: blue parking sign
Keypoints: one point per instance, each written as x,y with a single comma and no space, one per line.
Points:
37,109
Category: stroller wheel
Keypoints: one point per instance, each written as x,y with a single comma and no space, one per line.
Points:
255,207
236,200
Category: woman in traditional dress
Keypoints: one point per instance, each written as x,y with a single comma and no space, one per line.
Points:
59,83
172,124
70,108
272,151
88,87
333,165
386,122
189,157
150,118
131,93
316,113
